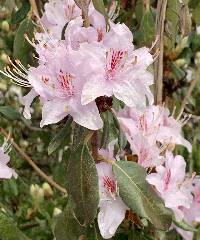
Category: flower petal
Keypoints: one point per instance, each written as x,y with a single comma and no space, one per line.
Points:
53,111
86,116
111,215
27,101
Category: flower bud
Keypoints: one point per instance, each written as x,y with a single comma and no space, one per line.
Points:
5,26
197,59
48,192
181,62
56,211
4,58
37,193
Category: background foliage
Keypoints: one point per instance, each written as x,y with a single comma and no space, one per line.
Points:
27,203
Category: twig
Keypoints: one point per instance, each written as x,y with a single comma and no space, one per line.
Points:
95,145
158,73
34,7
189,92
33,165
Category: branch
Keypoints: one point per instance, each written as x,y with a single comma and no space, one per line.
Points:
189,92
33,165
34,8
158,73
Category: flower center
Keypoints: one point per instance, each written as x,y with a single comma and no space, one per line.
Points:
115,62
167,179
66,84
109,184
100,34
143,123
63,86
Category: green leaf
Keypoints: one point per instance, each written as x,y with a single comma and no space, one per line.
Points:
139,10
79,134
9,113
177,71
100,7
146,34
66,227
83,184
139,195
60,137
21,47
172,19
122,141
196,14
18,16
8,229
93,232
112,130
184,225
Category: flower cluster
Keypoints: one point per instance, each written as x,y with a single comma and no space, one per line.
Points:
89,63
77,65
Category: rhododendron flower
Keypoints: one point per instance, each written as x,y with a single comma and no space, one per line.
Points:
148,155
120,72
112,208
171,183
58,13
5,171
192,215
155,123
60,89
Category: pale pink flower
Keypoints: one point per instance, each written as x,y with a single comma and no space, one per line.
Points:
120,73
75,33
192,215
148,154
59,87
153,122
171,183
58,13
112,208
5,171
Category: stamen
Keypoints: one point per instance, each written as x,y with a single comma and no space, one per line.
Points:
18,81
29,41
154,43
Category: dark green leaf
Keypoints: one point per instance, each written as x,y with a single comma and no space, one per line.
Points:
8,229
99,6
139,195
122,141
196,14
93,232
9,113
112,130
79,135
172,19
146,34
66,227
21,47
60,137
18,16
177,71
83,184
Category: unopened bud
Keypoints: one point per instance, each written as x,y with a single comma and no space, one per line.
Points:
197,59
37,193
48,192
4,58
181,62
5,26
56,212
